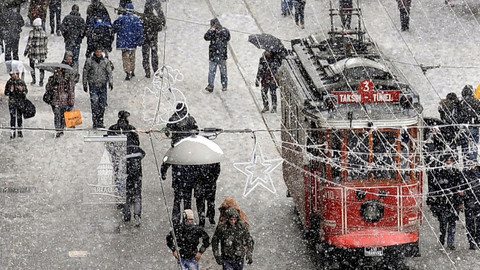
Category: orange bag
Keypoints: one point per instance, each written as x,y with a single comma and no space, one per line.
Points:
73,118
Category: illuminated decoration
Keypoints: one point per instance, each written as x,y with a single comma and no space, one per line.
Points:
258,171
163,96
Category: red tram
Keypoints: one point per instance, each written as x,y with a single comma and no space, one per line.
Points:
351,145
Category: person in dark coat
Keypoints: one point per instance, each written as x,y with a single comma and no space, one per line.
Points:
38,9
404,8
11,23
97,74
96,10
63,98
181,124
449,110
267,69
129,29
205,190
234,240
157,7
187,237
299,6
287,7
122,6
16,91
471,200
469,115
134,156
217,53
445,200
183,183
73,30
152,24
55,11
100,36
345,7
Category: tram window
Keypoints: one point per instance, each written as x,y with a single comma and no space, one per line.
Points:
357,156
384,151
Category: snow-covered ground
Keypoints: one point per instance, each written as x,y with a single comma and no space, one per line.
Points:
42,224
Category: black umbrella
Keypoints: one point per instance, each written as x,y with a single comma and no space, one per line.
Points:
266,42
52,66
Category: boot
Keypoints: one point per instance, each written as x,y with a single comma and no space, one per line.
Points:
34,81
12,134
19,134
128,77
274,109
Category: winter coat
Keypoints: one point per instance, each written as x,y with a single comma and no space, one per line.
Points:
73,28
11,23
188,238
345,4
123,127
37,44
152,24
218,41
96,11
471,188
101,35
97,72
206,180
449,111
181,121
235,240
443,196
61,87
155,5
15,96
267,69
469,110
38,9
129,29
404,4
230,202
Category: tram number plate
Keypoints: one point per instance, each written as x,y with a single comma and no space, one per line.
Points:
373,251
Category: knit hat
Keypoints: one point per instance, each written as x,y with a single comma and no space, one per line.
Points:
123,114
188,214
37,22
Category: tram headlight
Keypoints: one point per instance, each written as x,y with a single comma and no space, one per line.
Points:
372,211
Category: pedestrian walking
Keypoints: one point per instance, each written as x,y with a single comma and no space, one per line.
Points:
445,200
235,242
152,24
217,53
97,74
62,100
230,202
129,29
16,91
183,183
11,23
36,49
38,9
96,10
186,237
471,200
181,124
468,115
205,191
101,35
267,69
73,77
346,7
449,110
404,8
14,4
122,6
157,7
55,11
73,30
287,7
134,157
299,6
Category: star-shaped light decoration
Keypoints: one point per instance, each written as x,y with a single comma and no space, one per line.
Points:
258,171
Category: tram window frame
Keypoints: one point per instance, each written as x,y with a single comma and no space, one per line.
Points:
358,172
385,145
335,154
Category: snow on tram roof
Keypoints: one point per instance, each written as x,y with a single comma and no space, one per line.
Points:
353,62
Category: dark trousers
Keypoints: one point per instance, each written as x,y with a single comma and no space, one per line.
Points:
448,228
272,87
133,196
16,116
55,10
299,12
59,116
179,194
150,48
98,101
233,265
11,49
404,19
42,72
472,224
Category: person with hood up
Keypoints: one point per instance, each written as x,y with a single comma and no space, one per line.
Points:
404,8
187,237
36,49
267,69
62,98
205,191
134,157
11,23
181,124
16,91
97,73
129,29
235,242
73,30
230,202
55,11
217,53
152,24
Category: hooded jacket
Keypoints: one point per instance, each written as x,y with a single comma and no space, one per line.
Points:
129,29
181,121
218,38
230,202
188,238
73,28
97,72
16,96
11,23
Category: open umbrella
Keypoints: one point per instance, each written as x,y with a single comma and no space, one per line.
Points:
194,150
17,65
266,42
52,66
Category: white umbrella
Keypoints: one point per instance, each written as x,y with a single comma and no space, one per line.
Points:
194,150
17,66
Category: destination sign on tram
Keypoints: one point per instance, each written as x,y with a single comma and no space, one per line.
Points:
367,94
